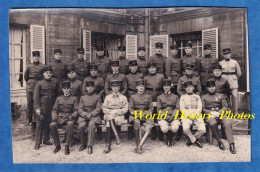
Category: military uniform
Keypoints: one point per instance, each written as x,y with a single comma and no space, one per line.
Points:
89,116
32,74
142,63
45,93
99,85
195,82
81,66
159,59
75,84
103,66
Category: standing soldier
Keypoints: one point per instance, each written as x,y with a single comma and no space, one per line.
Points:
89,115
189,76
115,106
123,62
207,62
189,58
139,104
159,58
214,103
32,75
142,61
81,65
64,113
116,75
75,84
232,72
190,104
173,67
44,96
168,103
102,62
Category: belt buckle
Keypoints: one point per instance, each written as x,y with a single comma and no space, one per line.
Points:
154,89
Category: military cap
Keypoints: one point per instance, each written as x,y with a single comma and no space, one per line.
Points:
159,45
132,63
141,48
57,51
93,66
174,46
210,83
65,84
187,83
90,83
226,50
189,66
150,64
207,46
217,66
114,63
47,68
121,48
99,48
189,44
80,50
167,82
115,83
71,67
139,82
36,53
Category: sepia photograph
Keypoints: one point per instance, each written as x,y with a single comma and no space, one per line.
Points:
130,85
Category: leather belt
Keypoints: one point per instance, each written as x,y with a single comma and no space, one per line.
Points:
130,89
229,73
154,89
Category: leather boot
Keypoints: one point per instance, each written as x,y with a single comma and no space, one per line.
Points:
166,138
130,132
90,150
67,150
56,149
198,144
179,134
221,146
112,125
170,137
137,139
139,150
232,148
108,141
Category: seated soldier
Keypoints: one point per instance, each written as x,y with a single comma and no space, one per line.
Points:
190,104
215,103
89,115
139,103
64,112
115,106
168,102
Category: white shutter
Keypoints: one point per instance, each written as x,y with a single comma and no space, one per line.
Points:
159,38
37,36
131,46
210,36
87,44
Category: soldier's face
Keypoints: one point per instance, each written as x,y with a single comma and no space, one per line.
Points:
189,89
121,53
141,53
80,55
47,74
100,53
167,88
115,68
217,72
158,50
227,56
71,74
115,89
140,88
90,89
133,69
211,89
36,58
57,56
66,90
93,72
188,50
174,52
189,71
207,51
152,70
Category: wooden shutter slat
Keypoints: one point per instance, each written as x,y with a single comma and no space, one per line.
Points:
131,46
37,37
87,44
210,36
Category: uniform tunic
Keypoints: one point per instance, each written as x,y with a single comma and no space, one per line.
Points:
123,65
142,65
58,69
173,69
131,79
207,63
82,68
159,59
195,82
118,76
190,59
154,85
103,66
98,85
75,88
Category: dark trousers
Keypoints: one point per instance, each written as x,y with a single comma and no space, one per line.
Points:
91,126
29,113
42,128
55,134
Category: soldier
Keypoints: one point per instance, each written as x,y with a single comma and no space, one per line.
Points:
114,107
64,113
207,62
75,84
139,103
81,65
123,62
168,103
232,72
189,58
89,116
32,74
98,82
142,61
115,76
214,103
189,76
132,77
159,58
173,67
102,62
190,104
44,96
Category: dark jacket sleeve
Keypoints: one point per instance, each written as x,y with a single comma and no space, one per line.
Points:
55,110
124,85
76,105
26,74
36,96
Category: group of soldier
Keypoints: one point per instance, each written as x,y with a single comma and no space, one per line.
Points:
84,93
